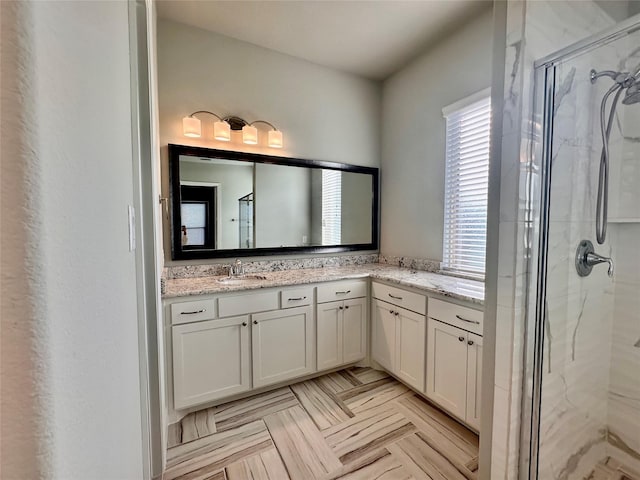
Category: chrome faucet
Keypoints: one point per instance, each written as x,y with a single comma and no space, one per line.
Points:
236,269
586,258
594,259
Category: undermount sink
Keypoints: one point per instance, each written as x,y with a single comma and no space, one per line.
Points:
242,279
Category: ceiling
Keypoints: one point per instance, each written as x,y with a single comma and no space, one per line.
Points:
368,38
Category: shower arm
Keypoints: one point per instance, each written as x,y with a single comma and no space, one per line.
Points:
605,73
622,79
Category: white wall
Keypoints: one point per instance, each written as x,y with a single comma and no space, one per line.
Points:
324,114
356,208
84,328
22,361
282,205
413,136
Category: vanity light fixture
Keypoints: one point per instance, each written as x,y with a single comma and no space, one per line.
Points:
192,127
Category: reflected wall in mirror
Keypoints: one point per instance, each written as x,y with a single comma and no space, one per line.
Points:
229,204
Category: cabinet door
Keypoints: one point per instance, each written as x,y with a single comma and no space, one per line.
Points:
329,334
411,344
210,360
354,332
283,345
474,379
447,367
383,349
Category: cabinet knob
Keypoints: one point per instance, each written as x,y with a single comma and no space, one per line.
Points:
396,313
391,312
339,308
244,324
255,322
470,342
461,339
346,307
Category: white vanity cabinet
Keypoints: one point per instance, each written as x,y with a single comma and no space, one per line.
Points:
230,343
454,359
474,380
341,324
211,360
226,344
282,345
383,334
398,333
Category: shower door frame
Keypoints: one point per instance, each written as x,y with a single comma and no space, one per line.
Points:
537,211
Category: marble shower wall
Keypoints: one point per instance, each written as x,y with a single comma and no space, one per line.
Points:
624,386
536,29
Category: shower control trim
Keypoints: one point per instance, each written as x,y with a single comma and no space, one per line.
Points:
586,258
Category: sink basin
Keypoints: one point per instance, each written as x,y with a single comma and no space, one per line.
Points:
242,279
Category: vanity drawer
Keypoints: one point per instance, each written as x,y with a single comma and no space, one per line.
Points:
296,297
402,298
456,315
330,292
247,303
186,312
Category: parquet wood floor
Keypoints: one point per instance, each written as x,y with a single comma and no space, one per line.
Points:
611,469
355,424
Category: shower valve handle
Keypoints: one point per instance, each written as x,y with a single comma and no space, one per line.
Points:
595,259
586,258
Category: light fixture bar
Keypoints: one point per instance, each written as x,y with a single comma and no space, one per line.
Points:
192,127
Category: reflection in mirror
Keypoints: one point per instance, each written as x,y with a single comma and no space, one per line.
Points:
234,204
227,183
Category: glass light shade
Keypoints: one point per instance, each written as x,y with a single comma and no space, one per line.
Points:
191,127
222,131
275,138
250,135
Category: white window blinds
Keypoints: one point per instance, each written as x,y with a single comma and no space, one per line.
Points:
331,207
466,184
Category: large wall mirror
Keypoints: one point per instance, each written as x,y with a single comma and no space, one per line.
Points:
231,204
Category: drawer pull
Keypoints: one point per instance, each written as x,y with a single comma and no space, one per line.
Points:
393,296
475,322
255,322
194,313
461,339
470,342
343,293
297,299
244,324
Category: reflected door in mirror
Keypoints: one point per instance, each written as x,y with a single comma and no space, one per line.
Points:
198,213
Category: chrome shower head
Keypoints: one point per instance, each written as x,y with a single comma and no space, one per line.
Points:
632,94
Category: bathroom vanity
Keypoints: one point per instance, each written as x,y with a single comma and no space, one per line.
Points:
225,340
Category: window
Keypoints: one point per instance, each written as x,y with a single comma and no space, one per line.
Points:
331,207
466,184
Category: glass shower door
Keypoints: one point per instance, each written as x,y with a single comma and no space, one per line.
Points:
245,206
586,372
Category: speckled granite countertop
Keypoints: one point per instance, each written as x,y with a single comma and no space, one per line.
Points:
448,286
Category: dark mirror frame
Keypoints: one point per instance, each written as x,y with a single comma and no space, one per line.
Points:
175,151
